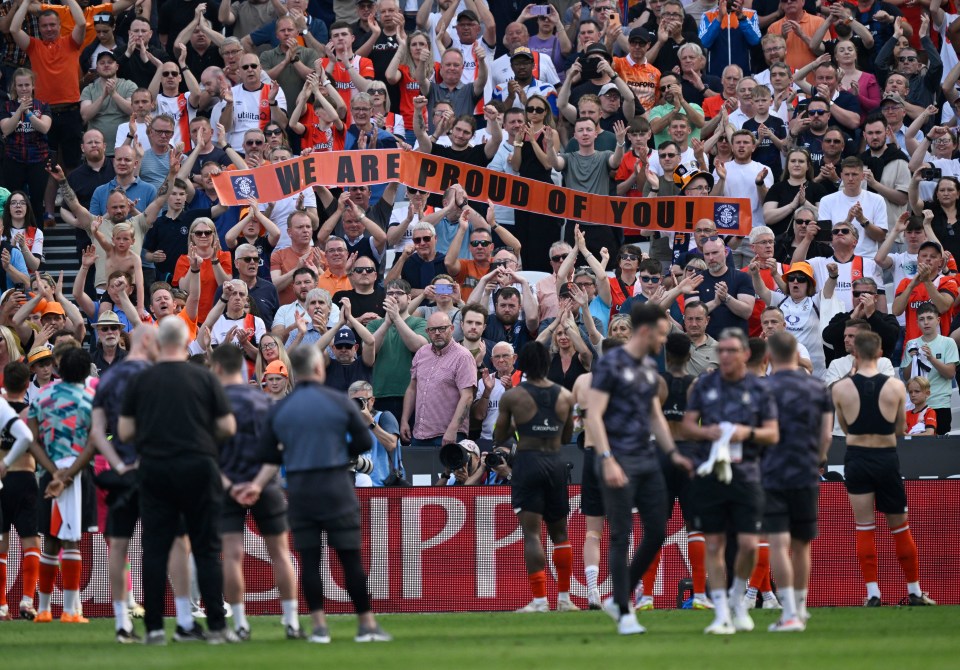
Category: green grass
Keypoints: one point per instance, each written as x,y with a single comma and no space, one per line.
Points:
847,638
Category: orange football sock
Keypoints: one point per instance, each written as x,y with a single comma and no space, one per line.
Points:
867,552
563,559
71,568
47,573
697,552
760,577
906,552
538,584
650,576
30,570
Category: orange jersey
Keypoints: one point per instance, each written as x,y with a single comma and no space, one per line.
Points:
409,89
919,296
643,74
344,85
317,137
67,23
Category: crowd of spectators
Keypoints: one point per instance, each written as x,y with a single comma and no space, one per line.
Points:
837,121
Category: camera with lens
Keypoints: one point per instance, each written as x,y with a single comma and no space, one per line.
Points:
361,403
363,465
496,458
454,456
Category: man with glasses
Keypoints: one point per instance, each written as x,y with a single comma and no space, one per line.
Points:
443,381
923,81
804,224
672,105
172,102
808,129
345,368
338,259
893,109
155,162
246,105
364,133
844,266
679,131
467,273
761,242
361,234
857,208
285,320
105,103
420,262
398,336
365,296
108,350
727,293
264,293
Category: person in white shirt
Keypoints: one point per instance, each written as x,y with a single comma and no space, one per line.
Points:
855,206
745,177
229,321
251,104
841,368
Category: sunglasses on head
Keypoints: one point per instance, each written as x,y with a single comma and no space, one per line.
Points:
102,18
480,243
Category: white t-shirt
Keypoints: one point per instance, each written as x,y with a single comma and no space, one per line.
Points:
470,64
803,322
844,288
218,333
836,207
904,267
124,128
687,160
248,106
171,107
493,407
741,182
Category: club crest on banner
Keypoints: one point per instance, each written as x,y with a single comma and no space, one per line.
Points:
244,187
726,215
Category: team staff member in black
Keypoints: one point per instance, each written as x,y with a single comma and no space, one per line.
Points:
123,501
790,473
239,462
731,394
624,411
320,430
176,413
542,413
870,408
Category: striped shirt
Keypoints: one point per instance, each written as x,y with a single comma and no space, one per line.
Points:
440,376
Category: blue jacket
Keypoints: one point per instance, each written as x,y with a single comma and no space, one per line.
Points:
730,41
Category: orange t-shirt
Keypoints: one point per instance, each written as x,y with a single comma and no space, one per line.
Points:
919,296
644,74
332,284
57,65
344,84
67,23
469,276
208,280
320,139
627,166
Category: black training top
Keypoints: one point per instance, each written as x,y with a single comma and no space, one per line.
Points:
239,456
870,420
544,424
801,402
110,394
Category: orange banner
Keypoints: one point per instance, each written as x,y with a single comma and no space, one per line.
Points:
270,183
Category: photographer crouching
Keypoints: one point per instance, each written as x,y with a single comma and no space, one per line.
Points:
384,456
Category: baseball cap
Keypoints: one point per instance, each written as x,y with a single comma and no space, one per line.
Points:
930,244
53,307
599,49
105,53
609,88
523,52
640,35
467,15
470,446
344,336
276,368
892,97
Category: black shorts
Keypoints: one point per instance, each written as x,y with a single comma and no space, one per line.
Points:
270,512
343,532
591,495
791,511
876,470
88,503
539,485
678,485
66,134
19,503
718,507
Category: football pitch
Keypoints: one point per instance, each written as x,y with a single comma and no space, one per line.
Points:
847,638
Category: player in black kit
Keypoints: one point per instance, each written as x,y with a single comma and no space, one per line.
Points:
541,412
624,411
731,398
790,472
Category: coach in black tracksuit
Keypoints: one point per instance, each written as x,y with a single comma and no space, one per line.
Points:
176,413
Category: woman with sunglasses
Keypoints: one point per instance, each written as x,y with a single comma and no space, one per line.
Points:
625,276
270,349
944,209
535,232
25,122
216,266
795,188
785,244
275,137
20,229
800,306
381,115
570,356
414,54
